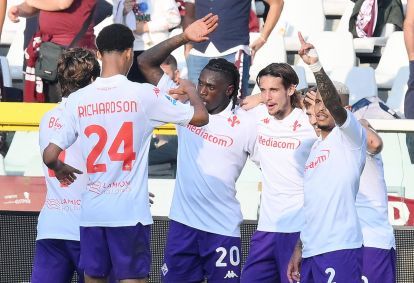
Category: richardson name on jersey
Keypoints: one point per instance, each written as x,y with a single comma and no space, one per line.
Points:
107,107
284,143
217,139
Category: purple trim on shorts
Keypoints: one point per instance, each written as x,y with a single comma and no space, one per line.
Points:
56,261
269,256
124,249
192,255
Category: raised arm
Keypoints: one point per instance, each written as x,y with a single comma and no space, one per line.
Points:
149,62
326,88
3,7
275,9
22,10
374,141
50,5
188,19
409,44
409,29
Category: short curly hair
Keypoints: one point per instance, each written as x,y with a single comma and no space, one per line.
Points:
115,37
77,68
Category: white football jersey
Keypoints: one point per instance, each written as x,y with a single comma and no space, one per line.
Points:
209,161
331,183
60,215
372,205
283,148
114,119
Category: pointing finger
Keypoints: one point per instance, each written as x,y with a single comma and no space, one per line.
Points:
301,39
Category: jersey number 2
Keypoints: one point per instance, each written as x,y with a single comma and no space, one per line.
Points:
125,136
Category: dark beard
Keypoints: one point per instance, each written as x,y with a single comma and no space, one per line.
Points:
325,128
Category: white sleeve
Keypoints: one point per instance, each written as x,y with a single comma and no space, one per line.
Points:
252,144
352,131
161,108
43,131
166,83
67,134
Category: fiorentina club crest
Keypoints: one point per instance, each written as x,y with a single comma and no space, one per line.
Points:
296,125
233,121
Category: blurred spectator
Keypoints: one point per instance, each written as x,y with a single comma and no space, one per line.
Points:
150,20
3,6
169,67
231,39
59,22
3,144
409,96
254,25
370,16
102,11
163,149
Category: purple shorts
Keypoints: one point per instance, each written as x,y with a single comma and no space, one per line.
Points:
56,261
378,265
191,255
337,266
269,256
125,250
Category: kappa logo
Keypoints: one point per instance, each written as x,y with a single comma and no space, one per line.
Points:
156,91
230,274
296,125
233,121
164,269
266,120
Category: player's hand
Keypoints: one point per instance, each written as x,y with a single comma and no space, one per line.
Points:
256,45
181,92
250,102
307,51
310,97
142,27
151,198
198,30
13,14
293,271
128,5
66,173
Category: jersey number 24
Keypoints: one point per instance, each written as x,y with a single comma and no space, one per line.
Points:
125,136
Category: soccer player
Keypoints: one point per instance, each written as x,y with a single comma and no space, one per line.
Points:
379,259
284,141
57,244
169,66
203,240
114,118
331,237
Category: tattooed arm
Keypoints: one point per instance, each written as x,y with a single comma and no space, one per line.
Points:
149,62
325,86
